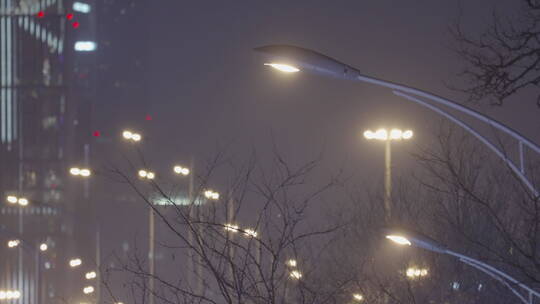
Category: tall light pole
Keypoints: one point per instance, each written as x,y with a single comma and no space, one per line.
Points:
411,238
291,59
388,137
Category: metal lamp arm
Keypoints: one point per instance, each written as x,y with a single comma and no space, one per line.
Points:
498,275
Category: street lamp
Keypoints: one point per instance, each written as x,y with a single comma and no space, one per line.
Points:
83,172
13,243
409,238
296,275
43,247
131,136
414,273
88,289
210,194
21,201
231,227
181,170
90,275
358,297
388,136
312,61
75,262
9,294
144,174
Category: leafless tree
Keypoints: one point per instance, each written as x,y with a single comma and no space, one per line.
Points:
210,248
505,58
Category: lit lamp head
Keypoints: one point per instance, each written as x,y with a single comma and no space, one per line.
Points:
291,59
393,134
411,238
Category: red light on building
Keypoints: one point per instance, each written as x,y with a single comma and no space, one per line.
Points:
69,16
148,117
41,14
96,134
75,24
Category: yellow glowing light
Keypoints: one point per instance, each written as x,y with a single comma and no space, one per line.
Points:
399,239
358,297
407,134
136,137
395,134
75,171
231,227
181,170
127,134
150,175
295,274
250,233
369,134
291,263
88,289
283,67
13,243
12,199
23,201
85,172
90,275
75,262
143,173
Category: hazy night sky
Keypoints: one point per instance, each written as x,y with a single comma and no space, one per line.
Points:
204,86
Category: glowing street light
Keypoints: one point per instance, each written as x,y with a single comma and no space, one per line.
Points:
9,294
43,247
231,227
84,172
132,136
210,194
282,67
388,136
90,275
250,233
75,262
295,274
358,297
88,289
11,199
13,243
144,174
414,273
22,201
407,237
181,170
291,263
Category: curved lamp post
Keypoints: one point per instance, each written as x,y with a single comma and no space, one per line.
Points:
411,238
287,58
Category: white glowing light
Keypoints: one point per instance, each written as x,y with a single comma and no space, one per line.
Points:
291,263
250,233
13,243
9,294
283,67
43,247
23,201
407,134
143,173
82,7
88,289
136,137
85,46
358,297
295,274
369,134
395,134
75,262
127,134
231,227
90,275
381,134
12,199
399,239
75,171
85,172
181,170
150,175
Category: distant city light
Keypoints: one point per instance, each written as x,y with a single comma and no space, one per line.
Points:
75,262
414,273
181,170
13,243
84,172
23,201
358,297
85,46
399,239
82,7
88,289
250,232
69,16
131,135
96,134
295,274
12,199
75,24
90,275
43,247
383,134
291,263
9,294
211,194
231,227
41,14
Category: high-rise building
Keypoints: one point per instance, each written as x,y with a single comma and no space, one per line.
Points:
47,87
